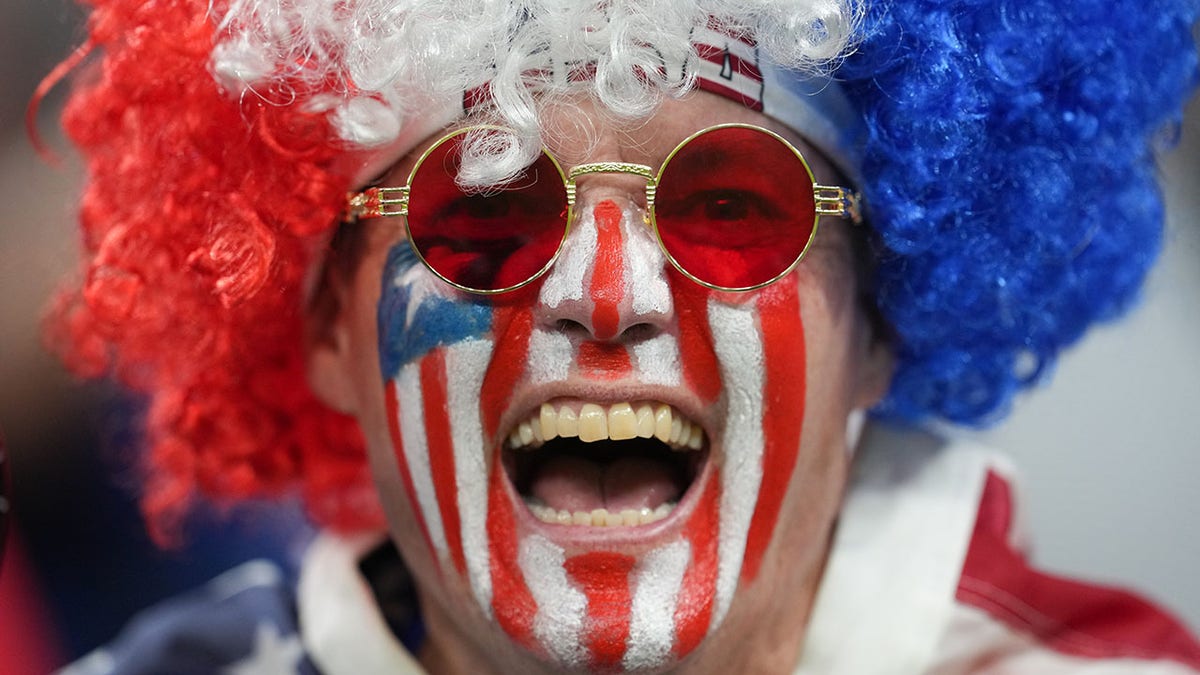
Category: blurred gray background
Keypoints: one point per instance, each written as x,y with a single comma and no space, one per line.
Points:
1108,452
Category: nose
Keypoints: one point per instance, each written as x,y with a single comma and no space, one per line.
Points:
609,283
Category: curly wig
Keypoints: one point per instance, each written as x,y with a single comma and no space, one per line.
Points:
1008,168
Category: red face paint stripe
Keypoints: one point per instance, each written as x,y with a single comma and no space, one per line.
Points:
693,613
699,361
608,272
512,602
604,579
393,418
605,360
441,451
512,327
783,412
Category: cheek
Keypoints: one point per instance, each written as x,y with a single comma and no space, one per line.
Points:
783,412
698,355
434,349
748,350
760,344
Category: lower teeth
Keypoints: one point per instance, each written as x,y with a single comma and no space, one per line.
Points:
601,517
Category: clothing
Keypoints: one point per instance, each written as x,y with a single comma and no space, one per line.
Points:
927,575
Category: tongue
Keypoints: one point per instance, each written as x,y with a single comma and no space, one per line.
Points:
576,484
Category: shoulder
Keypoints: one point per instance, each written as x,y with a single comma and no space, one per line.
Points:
957,594
244,621
1012,618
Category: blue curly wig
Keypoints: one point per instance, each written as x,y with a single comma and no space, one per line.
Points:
1010,173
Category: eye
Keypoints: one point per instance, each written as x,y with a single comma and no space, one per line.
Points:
480,207
726,205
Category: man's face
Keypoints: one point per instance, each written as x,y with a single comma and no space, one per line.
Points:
613,468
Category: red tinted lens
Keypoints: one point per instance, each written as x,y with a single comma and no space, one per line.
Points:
488,238
734,207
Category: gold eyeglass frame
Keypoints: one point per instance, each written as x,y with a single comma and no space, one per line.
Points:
828,200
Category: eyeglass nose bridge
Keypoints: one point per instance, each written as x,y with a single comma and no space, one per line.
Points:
612,167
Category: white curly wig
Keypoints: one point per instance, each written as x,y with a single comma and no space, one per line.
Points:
391,72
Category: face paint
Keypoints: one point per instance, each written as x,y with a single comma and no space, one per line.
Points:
456,366
424,334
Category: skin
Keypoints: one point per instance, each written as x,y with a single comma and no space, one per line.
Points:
845,368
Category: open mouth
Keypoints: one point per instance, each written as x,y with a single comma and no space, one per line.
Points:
614,465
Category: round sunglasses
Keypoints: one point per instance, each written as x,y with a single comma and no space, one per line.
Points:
734,208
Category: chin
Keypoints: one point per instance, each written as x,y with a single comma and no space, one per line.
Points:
604,532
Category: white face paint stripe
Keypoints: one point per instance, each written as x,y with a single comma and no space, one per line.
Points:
550,356
558,624
645,267
652,614
566,279
657,361
469,361
421,284
416,451
738,344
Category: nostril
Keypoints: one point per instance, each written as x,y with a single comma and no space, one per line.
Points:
572,327
640,332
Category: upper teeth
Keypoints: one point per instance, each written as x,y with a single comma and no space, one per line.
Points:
617,422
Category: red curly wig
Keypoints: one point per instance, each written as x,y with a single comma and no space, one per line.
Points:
208,207
202,214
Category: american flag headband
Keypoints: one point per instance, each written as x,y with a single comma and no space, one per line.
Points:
815,106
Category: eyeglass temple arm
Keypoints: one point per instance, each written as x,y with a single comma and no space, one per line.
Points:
377,202
831,200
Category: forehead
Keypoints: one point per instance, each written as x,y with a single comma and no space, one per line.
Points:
577,131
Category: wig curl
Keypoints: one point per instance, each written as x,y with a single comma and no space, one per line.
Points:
1009,174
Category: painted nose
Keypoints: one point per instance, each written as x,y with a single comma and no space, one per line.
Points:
609,283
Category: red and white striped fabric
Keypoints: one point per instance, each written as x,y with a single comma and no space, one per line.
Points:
812,105
956,594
